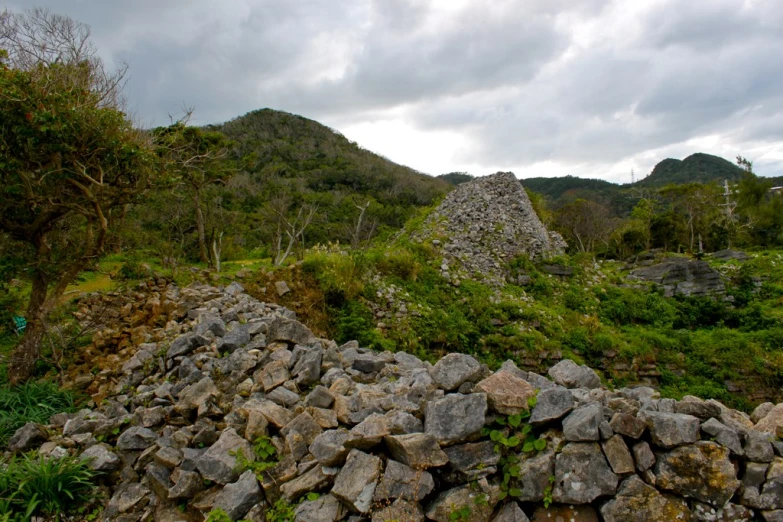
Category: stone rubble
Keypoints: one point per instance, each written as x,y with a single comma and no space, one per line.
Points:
383,436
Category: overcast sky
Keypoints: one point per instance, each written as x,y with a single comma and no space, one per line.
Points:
592,88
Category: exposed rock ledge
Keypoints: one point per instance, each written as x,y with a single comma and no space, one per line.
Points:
385,436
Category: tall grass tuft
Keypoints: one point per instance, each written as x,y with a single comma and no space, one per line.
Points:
31,402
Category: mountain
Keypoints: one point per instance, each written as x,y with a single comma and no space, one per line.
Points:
699,167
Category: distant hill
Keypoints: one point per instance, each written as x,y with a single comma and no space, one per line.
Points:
699,167
456,178
292,158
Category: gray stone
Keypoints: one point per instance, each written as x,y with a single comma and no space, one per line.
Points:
101,459
306,364
305,425
616,452
454,369
773,516
627,425
697,407
635,500
369,432
329,447
290,331
534,474
582,474
567,373
234,339
401,481
480,504
551,405
136,438
158,478
702,471
671,429
312,481
758,447
643,455
400,510
129,496
455,417
29,436
169,457
356,482
682,276
219,462
273,375
237,498
582,423
189,483
325,508
320,397
281,287
417,450
723,435
402,423
185,344
368,363
283,397
195,395
211,323
474,456
510,512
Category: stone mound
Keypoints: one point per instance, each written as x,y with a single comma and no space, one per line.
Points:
386,436
482,225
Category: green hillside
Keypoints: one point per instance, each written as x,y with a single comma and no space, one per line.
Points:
696,168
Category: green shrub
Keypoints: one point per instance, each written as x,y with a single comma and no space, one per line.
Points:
50,487
31,402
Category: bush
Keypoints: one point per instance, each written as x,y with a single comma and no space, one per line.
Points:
49,487
31,402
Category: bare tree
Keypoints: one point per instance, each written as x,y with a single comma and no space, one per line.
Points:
294,229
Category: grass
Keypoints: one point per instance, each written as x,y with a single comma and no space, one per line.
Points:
49,487
31,402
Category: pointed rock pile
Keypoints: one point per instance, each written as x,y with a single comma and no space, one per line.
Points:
484,224
386,436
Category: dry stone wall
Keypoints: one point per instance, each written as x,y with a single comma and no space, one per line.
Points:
386,436
482,225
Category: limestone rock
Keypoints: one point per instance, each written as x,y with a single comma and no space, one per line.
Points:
401,481
627,425
454,369
618,455
356,482
219,462
136,438
401,510
476,504
582,474
551,405
417,450
27,437
635,500
506,393
455,417
510,512
101,459
312,481
567,373
325,508
534,474
671,429
290,331
582,423
702,471
237,498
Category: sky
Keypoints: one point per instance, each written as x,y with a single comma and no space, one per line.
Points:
590,88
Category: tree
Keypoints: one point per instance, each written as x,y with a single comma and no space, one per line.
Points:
68,156
197,158
585,223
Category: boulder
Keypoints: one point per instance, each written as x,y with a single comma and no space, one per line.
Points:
582,474
29,436
618,455
671,429
507,394
401,481
701,471
454,369
569,374
471,503
136,438
455,417
551,405
417,450
289,331
401,510
582,423
355,484
101,459
325,508
237,498
635,500
219,462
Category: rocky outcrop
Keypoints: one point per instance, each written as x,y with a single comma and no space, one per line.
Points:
386,436
682,276
482,225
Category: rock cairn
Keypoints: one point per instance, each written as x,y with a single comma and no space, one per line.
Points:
484,224
385,436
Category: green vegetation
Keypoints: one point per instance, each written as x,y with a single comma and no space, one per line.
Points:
45,486
266,457
31,402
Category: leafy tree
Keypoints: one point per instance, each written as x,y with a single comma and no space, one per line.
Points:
68,157
585,223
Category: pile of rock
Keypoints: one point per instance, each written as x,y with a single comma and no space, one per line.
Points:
484,224
385,436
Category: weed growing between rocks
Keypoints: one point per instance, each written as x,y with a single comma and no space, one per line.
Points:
31,402
45,486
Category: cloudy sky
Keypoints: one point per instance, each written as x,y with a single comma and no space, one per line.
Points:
592,88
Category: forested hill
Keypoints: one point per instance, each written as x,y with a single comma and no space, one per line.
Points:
289,146
696,168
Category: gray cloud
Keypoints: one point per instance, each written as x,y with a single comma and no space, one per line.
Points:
593,87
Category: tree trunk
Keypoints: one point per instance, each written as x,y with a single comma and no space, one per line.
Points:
202,236
22,363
